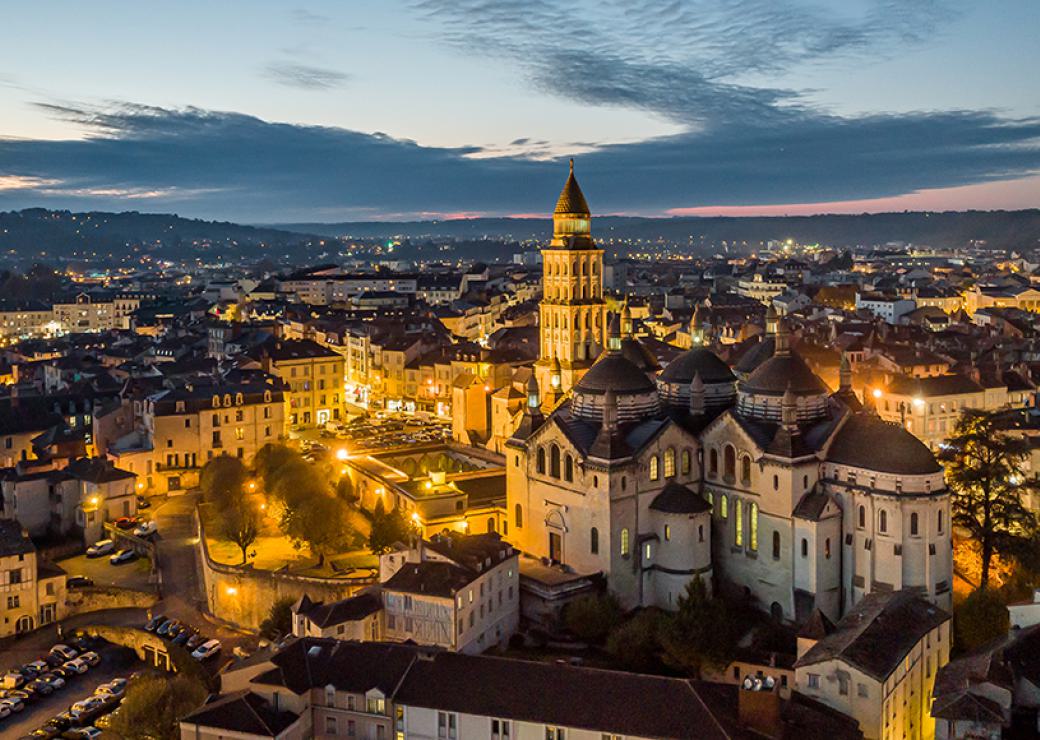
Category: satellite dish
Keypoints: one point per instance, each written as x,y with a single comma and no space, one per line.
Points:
748,683
758,684
769,682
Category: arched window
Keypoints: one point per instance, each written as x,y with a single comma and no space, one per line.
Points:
700,533
654,472
554,461
568,468
518,517
827,548
686,462
738,523
913,524
669,463
939,521
805,482
541,460
776,545
724,506
594,541
862,517
710,498
753,526
713,463
626,546
883,521
805,547
745,469
729,463
624,483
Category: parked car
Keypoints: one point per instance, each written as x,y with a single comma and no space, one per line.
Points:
14,703
46,732
39,687
13,680
77,665
92,659
62,672
125,555
165,627
101,547
143,503
5,711
61,722
183,636
195,640
66,651
34,669
127,522
86,733
155,622
90,704
146,529
206,650
79,582
57,682
115,688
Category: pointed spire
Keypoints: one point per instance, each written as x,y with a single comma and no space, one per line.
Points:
626,321
555,376
534,400
783,339
789,408
845,374
614,334
572,200
697,395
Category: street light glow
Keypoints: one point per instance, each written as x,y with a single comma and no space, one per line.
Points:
342,454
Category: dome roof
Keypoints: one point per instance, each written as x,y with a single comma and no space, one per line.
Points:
697,360
678,499
783,371
865,441
614,371
571,199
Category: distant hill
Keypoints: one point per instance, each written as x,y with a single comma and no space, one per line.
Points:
66,234
40,234
999,229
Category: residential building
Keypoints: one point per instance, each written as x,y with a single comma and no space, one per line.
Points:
32,591
878,664
313,376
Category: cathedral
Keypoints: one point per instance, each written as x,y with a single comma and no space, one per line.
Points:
757,478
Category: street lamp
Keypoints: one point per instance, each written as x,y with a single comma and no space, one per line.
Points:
342,454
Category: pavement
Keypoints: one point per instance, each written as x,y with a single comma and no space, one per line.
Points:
135,575
115,661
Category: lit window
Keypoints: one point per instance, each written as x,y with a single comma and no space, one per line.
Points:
738,524
625,544
669,463
753,526
654,473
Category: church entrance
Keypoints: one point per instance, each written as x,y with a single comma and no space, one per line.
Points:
556,547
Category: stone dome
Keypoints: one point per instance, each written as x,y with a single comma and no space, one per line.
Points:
635,393
697,360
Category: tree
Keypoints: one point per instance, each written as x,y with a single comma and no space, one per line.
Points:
345,489
320,522
636,644
223,481
270,459
388,527
154,703
984,467
240,523
980,618
278,622
703,631
591,618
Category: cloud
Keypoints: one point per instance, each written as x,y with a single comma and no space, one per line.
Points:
234,166
304,77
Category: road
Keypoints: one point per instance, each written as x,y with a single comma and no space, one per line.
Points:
115,661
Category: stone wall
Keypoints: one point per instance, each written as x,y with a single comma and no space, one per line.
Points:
96,598
243,595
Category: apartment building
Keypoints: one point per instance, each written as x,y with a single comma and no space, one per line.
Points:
458,592
313,378
878,664
32,591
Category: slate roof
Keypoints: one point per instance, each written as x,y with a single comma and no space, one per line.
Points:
616,372
13,540
697,360
811,505
938,385
780,372
866,441
244,712
877,633
345,610
430,578
678,499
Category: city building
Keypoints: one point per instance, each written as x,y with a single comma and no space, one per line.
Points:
32,591
313,376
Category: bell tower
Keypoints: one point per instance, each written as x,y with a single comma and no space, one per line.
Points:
572,314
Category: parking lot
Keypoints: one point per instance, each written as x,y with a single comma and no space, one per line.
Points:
369,434
133,575
115,662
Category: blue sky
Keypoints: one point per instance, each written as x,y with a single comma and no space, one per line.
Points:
266,111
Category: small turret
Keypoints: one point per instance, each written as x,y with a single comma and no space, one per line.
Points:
789,408
626,321
771,320
555,376
614,334
534,398
783,339
610,411
845,374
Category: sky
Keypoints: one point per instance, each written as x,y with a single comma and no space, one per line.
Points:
266,112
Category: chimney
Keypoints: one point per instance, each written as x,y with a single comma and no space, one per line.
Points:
758,706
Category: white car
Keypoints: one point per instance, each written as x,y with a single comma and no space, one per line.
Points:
114,688
89,733
206,650
146,529
123,556
87,705
12,705
77,665
101,547
64,651
5,711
